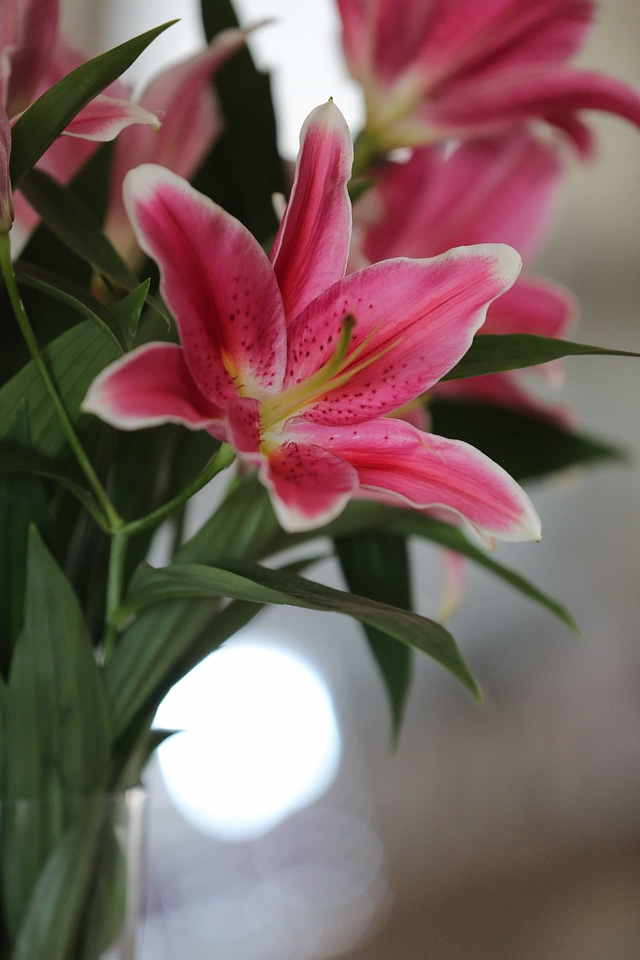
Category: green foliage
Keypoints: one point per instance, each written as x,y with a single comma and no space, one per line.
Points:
244,168
56,743
495,353
527,446
45,119
247,581
74,359
376,565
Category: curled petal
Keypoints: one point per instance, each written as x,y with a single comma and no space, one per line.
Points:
413,322
217,281
397,463
311,247
309,486
105,117
149,386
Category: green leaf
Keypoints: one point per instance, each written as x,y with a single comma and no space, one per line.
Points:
56,704
57,734
526,446
22,502
157,649
45,120
76,227
495,353
244,527
376,565
59,896
246,581
120,319
16,459
260,536
128,311
74,359
409,523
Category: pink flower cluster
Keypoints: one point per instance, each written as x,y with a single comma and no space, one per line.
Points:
305,359
299,366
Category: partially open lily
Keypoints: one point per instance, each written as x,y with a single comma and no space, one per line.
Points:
183,97
435,69
500,189
33,57
296,365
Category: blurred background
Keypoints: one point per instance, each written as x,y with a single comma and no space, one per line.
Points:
284,827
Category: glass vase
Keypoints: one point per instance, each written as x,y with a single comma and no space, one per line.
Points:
72,876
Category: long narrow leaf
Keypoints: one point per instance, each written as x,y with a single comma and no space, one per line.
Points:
75,359
246,581
495,353
119,320
409,522
16,459
528,447
45,119
76,227
376,565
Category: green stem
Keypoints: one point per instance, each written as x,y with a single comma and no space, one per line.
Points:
367,152
112,518
114,588
223,459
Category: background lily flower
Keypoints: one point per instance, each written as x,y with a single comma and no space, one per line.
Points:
504,189
33,57
435,69
296,365
183,98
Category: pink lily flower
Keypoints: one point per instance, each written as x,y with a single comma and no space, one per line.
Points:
297,365
436,69
504,189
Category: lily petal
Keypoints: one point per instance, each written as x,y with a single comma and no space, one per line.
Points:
312,245
27,32
309,486
505,190
508,97
397,463
148,386
414,319
105,117
217,281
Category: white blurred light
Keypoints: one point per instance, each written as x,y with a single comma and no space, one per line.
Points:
260,740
